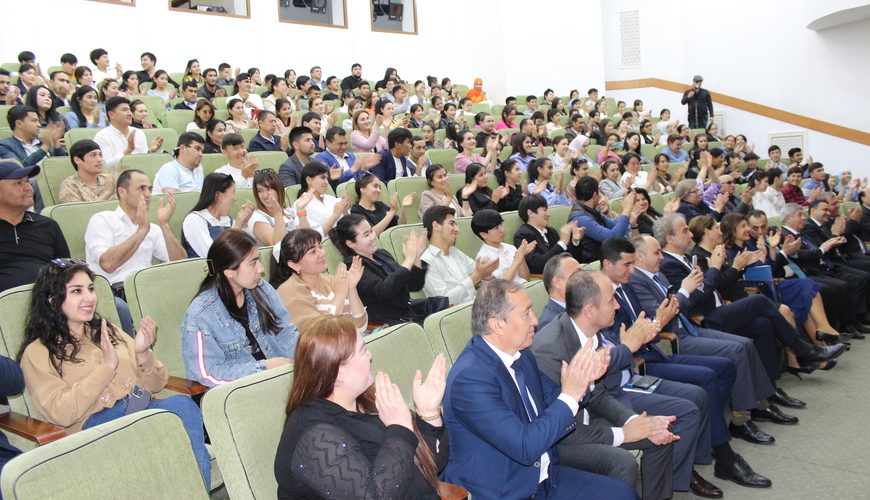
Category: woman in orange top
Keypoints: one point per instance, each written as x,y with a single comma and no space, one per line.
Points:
477,94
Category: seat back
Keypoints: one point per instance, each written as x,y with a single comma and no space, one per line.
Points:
558,215
170,137
400,351
15,304
391,240
333,256
270,159
466,240
178,119
153,103
77,134
211,162
245,419
164,292
148,163
266,261
405,186
538,293
448,331
154,440
54,169
444,157
511,222
73,219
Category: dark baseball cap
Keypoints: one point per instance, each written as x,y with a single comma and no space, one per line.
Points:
12,169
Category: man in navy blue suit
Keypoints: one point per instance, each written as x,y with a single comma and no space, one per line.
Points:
716,375
556,273
504,416
394,162
11,384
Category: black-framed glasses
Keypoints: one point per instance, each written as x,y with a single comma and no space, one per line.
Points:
65,263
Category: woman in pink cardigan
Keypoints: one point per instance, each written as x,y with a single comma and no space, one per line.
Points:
366,137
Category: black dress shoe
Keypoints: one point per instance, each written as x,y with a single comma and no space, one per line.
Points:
831,339
751,433
857,331
781,398
819,354
703,488
741,473
773,414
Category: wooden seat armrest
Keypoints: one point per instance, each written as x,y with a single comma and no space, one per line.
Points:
30,428
533,276
449,491
668,336
185,386
697,318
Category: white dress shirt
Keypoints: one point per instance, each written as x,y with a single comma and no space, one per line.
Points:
195,229
113,143
449,275
508,361
317,212
111,228
505,255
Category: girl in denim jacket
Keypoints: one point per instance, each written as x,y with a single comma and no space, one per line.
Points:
237,324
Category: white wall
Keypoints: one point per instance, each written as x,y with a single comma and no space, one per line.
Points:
461,39
758,51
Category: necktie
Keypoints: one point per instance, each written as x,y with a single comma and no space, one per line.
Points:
624,296
684,322
825,260
524,390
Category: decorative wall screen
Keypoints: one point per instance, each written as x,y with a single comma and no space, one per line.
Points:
629,39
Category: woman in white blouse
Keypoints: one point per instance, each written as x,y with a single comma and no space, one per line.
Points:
273,218
210,216
314,206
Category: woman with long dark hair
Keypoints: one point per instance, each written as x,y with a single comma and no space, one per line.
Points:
193,72
385,286
158,88
236,325
321,210
201,116
307,291
509,176
380,215
215,131
85,113
273,219
476,191
129,84
39,98
210,216
465,143
540,173
448,115
336,408
521,150
82,371
440,192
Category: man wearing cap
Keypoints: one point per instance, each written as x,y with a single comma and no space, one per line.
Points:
28,241
700,104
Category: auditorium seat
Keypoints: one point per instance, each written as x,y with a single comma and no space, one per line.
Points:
444,157
399,351
448,331
177,119
405,186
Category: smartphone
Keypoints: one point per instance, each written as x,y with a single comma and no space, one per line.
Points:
694,261
645,382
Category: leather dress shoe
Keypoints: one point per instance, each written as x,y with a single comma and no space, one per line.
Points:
781,398
741,473
831,339
773,414
857,331
703,488
819,354
751,433
829,365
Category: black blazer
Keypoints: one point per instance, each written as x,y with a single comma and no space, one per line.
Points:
543,251
386,294
558,341
808,256
865,223
699,302
11,384
819,234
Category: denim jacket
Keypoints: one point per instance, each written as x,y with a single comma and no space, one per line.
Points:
213,343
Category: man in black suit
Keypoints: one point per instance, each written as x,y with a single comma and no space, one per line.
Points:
816,262
556,273
853,249
534,213
589,315
11,384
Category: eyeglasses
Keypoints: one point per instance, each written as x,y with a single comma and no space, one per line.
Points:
65,263
728,182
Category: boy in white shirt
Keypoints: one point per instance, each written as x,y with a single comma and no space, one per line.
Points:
487,225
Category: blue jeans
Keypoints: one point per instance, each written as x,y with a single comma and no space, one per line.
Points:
182,406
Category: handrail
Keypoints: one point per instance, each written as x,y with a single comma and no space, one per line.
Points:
777,114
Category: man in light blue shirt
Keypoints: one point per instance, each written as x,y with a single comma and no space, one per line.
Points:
184,173
817,178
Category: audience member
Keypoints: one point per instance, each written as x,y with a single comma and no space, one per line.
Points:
140,115
81,371
441,193
201,115
210,216
302,142
792,192
324,209
393,162
540,172
11,384
465,144
675,151
89,183
508,460
594,225
28,241
188,96
354,80
39,97
385,285
210,88
387,450
159,88
818,179
767,197
273,218
488,226
378,214
535,215
120,139
184,173
221,340
243,90
509,177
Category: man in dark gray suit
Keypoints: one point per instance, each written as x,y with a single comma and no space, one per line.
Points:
591,307
556,273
